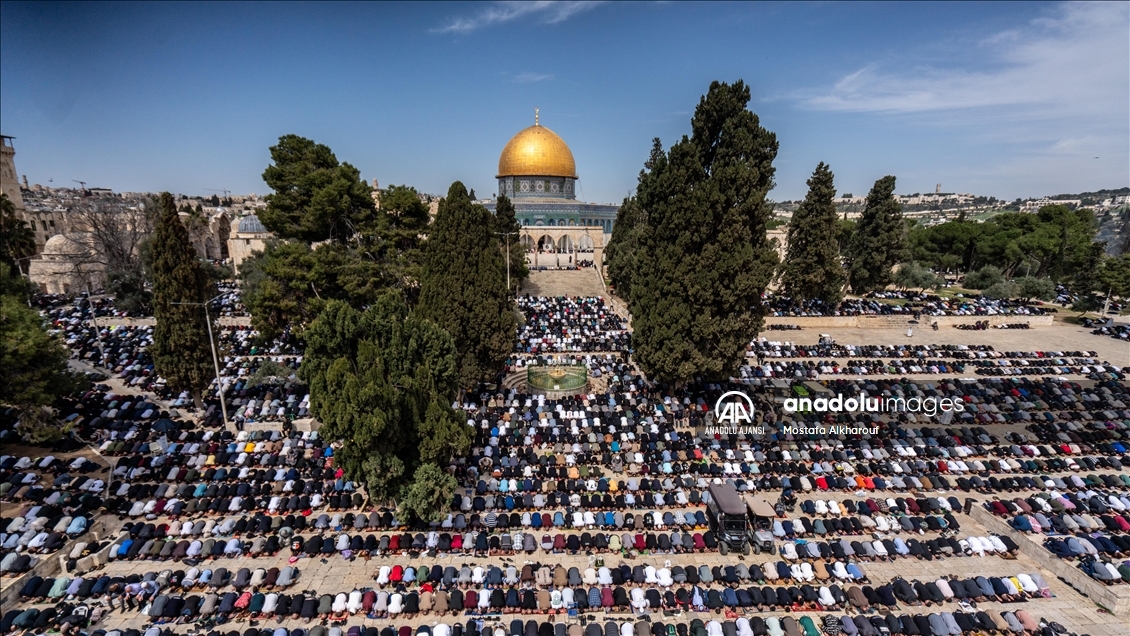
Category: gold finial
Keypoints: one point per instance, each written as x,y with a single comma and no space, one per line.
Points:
536,109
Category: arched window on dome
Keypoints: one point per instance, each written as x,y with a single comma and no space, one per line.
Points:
572,222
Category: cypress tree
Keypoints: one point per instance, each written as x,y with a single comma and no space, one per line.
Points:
384,380
509,232
182,352
703,254
463,287
879,241
812,269
620,253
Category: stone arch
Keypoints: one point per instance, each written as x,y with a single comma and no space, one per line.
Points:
566,244
527,242
546,244
585,243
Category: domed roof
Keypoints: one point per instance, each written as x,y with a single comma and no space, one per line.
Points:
250,224
537,151
63,245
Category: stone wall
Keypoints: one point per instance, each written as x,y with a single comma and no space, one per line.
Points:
900,322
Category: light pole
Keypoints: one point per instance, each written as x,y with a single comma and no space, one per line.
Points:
507,235
215,357
94,321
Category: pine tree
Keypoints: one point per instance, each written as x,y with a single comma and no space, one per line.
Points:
182,352
879,241
463,287
703,254
510,232
812,269
315,197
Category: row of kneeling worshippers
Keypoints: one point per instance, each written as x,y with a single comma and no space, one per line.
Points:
932,624
559,576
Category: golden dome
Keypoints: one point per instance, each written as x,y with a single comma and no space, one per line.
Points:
537,152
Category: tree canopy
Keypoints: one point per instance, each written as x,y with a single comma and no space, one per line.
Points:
290,282
182,353
315,197
913,276
384,379
463,287
35,362
1055,242
17,239
509,230
703,246
879,241
620,253
812,268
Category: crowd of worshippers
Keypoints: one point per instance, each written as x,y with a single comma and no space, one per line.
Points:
816,369
564,324
406,591
69,619
1091,527
560,442
916,305
229,302
49,504
242,341
1107,328
984,401
787,359
1102,434
766,348
217,476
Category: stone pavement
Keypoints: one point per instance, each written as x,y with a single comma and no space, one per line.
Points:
564,282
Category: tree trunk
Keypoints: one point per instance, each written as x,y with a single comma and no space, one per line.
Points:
197,399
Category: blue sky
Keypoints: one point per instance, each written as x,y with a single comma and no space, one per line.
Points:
1007,99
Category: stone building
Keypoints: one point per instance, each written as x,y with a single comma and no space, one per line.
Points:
247,236
68,264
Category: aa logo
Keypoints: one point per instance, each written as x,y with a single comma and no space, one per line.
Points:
733,408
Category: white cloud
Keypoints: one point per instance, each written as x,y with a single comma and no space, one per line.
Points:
1073,63
501,12
1043,109
530,77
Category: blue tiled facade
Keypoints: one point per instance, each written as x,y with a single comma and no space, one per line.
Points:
551,202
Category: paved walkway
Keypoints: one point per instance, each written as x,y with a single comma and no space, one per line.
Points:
564,282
